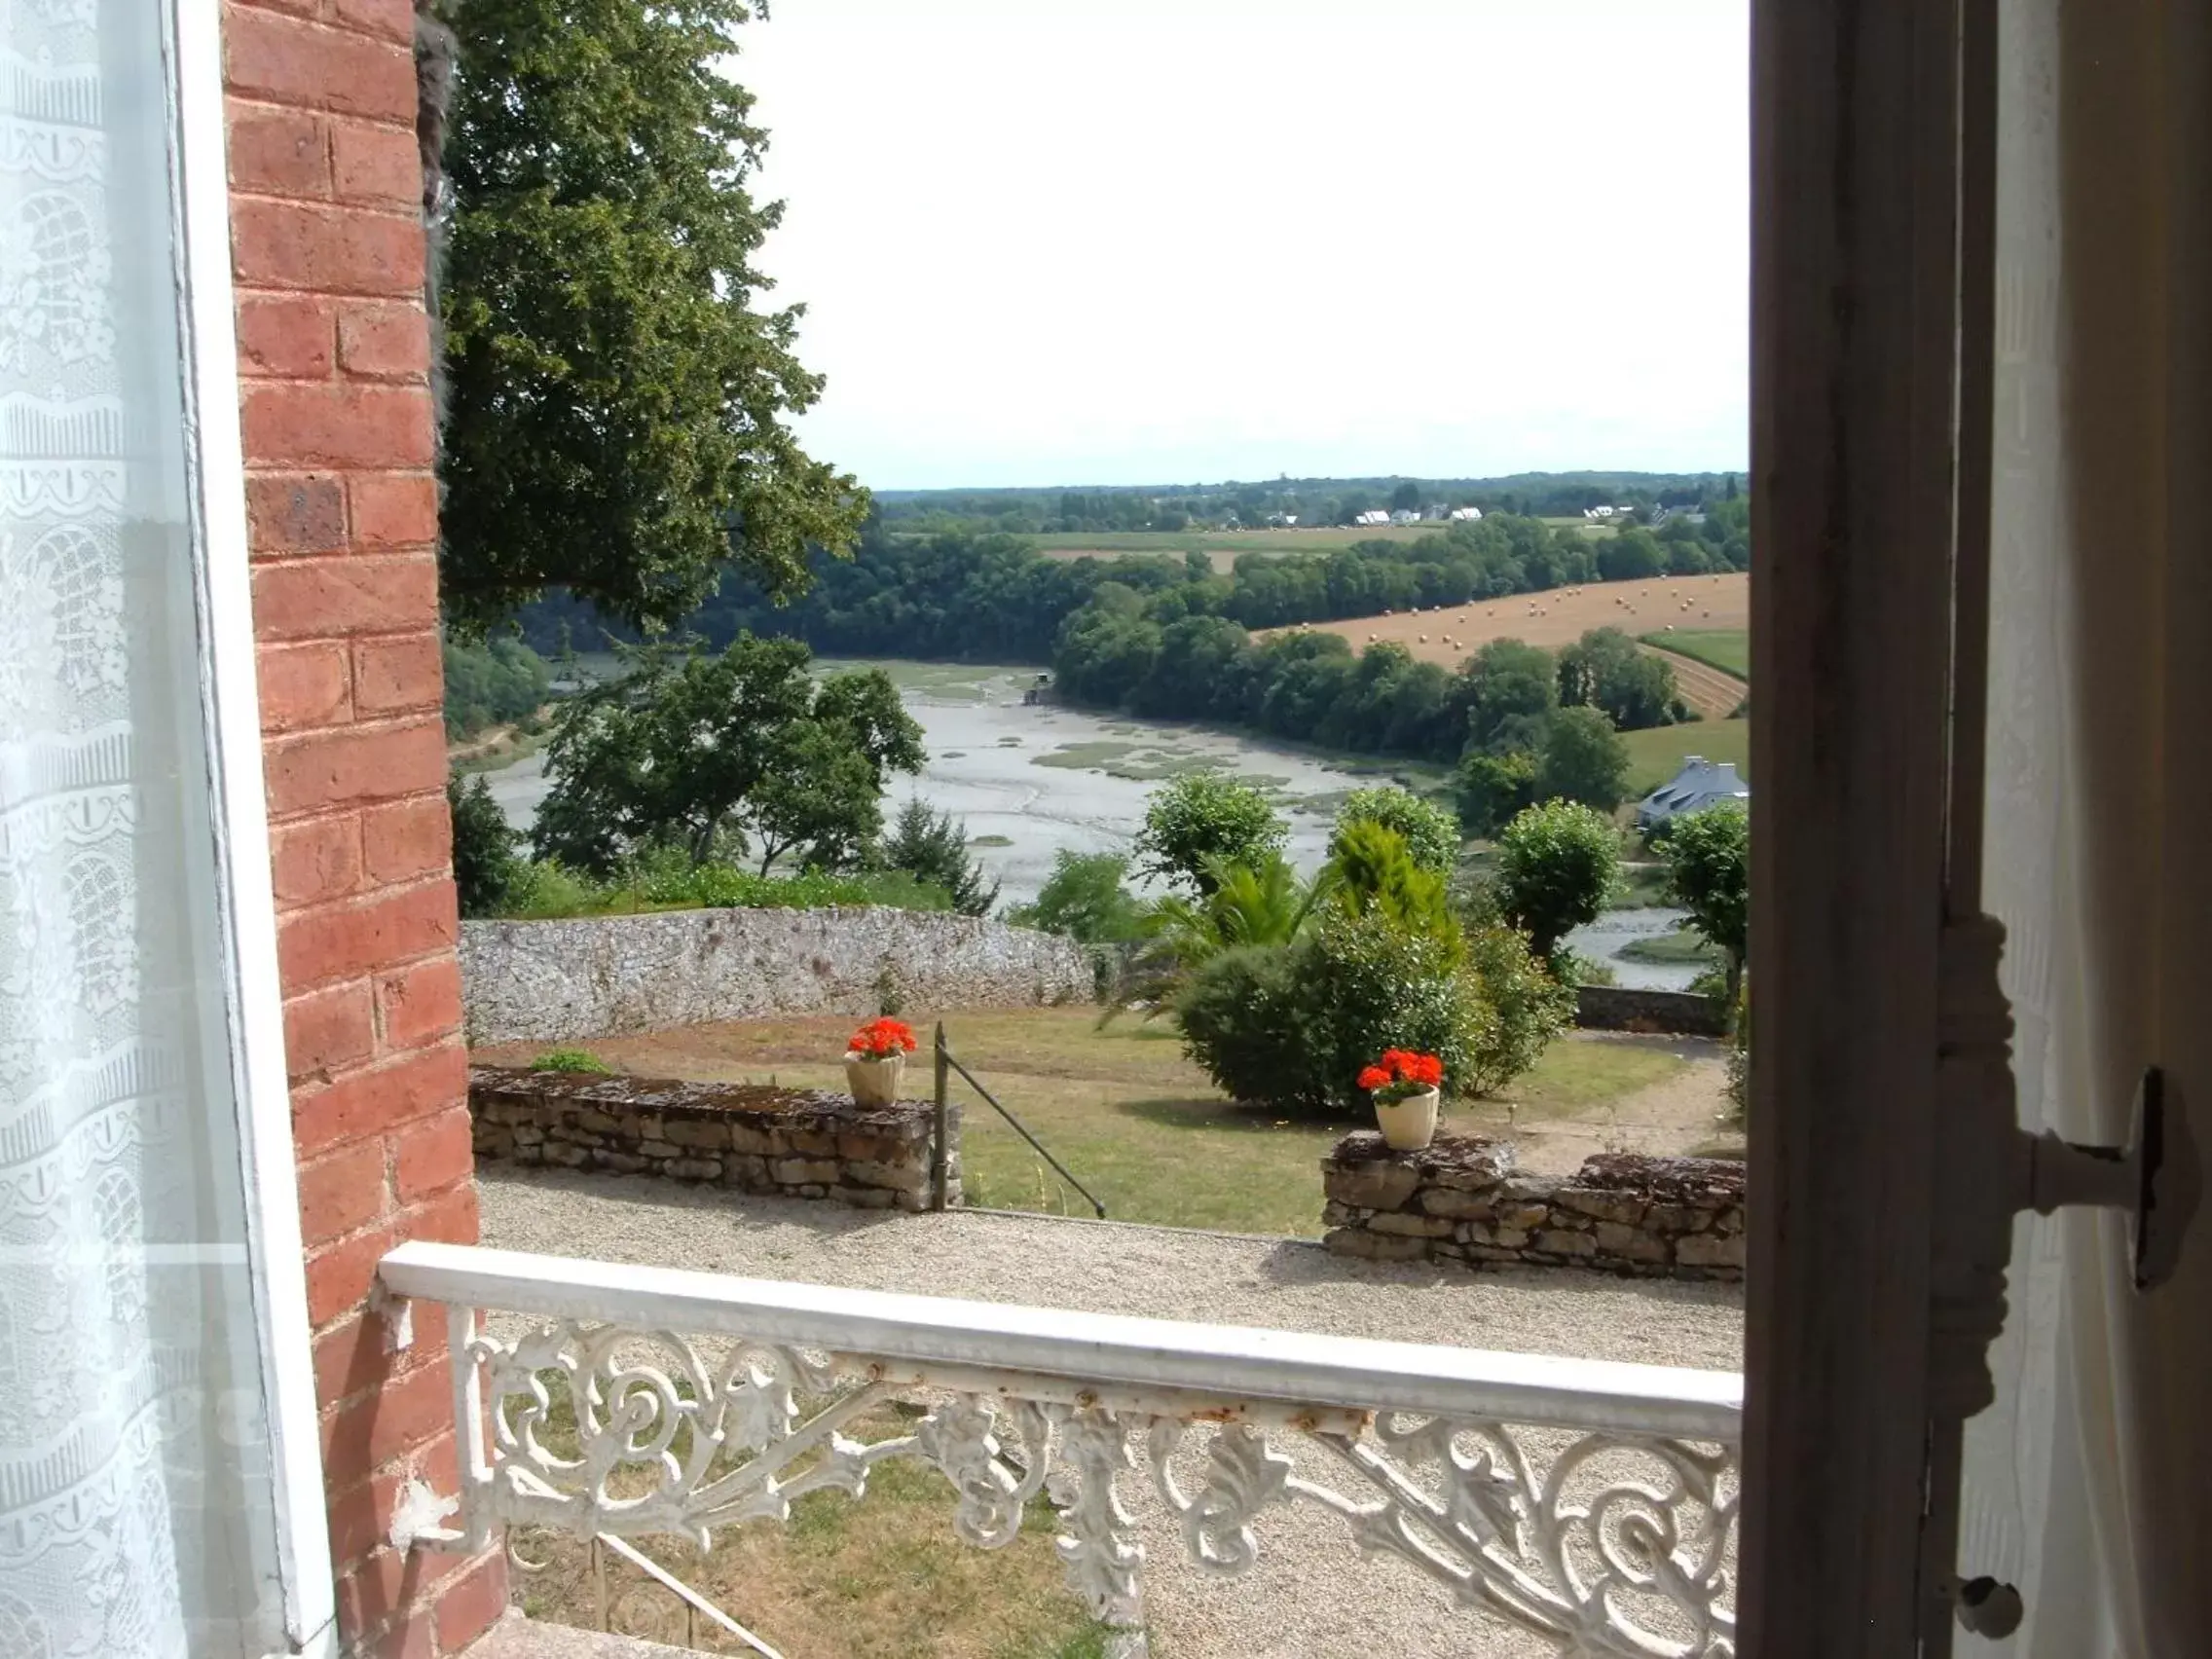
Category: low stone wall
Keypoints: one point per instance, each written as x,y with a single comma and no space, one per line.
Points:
1460,1201
794,1143
617,975
1621,1007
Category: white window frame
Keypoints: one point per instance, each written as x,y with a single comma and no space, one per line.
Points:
246,908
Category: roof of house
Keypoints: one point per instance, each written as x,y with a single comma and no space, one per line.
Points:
1700,784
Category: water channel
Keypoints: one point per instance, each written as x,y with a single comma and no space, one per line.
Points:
1031,779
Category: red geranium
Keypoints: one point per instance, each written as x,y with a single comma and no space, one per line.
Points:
880,1039
1401,1071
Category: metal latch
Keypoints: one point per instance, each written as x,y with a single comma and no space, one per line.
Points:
2157,1178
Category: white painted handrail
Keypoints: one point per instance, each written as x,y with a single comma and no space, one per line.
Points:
1238,1361
1589,1502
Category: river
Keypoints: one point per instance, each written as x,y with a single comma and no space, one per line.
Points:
1030,780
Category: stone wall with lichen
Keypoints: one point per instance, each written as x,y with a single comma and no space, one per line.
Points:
1461,1200
797,1143
621,975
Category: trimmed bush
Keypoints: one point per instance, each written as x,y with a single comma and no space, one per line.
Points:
1530,1007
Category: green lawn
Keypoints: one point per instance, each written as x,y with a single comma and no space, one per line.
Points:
1121,1107
1729,649
1681,947
1657,755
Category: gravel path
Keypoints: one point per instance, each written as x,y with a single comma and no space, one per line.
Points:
1312,1596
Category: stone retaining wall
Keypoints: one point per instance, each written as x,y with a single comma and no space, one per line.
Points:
795,1143
619,976
1460,1201
1623,1007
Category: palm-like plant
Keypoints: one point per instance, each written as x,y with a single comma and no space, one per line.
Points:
1265,903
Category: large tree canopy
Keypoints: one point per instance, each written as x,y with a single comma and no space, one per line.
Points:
615,405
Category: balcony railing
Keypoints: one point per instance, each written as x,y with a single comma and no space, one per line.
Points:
1593,1503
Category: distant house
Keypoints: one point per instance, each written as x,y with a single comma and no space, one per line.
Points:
1374,515
1405,515
1282,521
1700,784
1599,512
1465,515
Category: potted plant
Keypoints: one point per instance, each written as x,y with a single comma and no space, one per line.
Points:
1404,1086
875,1061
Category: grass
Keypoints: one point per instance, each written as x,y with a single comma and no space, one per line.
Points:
1729,649
1657,755
880,1577
1128,761
1679,948
1122,1109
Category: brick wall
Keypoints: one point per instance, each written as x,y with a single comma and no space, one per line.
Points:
327,254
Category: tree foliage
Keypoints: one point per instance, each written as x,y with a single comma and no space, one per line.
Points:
1203,823
711,753
1582,759
489,683
1085,899
1490,789
616,400
1556,865
1608,670
1708,874
931,847
486,866
1430,833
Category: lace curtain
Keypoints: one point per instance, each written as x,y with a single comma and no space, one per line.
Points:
136,1506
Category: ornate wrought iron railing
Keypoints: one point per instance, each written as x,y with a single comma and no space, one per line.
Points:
1593,1503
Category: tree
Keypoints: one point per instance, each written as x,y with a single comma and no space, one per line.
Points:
1431,834
1085,899
485,863
615,405
1372,871
1583,759
1511,689
932,847
1631,555
1708,874
1203,822
1491,789
703,753
1556,864
1607,670
1406,498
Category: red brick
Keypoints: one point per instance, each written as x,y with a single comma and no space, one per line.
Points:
315,599
329,1030
419,1006
340,250
394,19
297,514
395,509
339,1277
408,838
376,164
315,861
387,1589
321,425
379,1098
283,152
433,1155
406,1413
289,61
296,7
448,1219
468,1604
392,676
284,335
348,765
414,1639
350,1357
335,942
383,341
304,686
343,1192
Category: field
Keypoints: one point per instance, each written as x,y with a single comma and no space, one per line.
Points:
1657,755
1729,649
1140,1125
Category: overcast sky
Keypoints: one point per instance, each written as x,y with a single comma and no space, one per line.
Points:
1123,242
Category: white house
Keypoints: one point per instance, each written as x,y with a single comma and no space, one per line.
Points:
1465,515
1700,784
1599,512
1374,515
1405,515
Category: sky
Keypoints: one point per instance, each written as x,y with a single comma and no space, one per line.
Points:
1148,242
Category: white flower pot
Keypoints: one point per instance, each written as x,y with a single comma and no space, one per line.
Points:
873,1082
1407,1125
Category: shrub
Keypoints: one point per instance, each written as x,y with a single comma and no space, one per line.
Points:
1431,834
1709,874
1372,870
1293,1027
1556,865
1085,899
571,1060
1740,1055
1202,819
931,847
486,868
1530,1009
